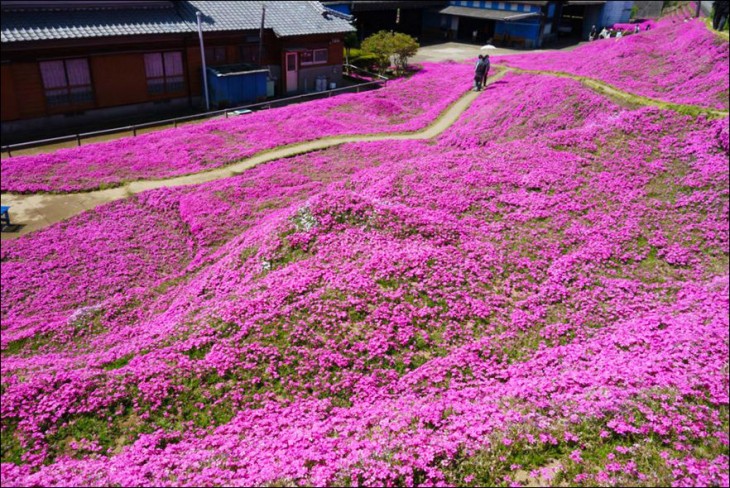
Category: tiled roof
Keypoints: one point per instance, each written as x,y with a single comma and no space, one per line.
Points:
284,18
43,24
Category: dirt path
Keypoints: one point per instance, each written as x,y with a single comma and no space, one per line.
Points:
611,91
41,210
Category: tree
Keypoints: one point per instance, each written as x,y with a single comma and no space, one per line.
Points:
380,46
386,45
350,41
404,47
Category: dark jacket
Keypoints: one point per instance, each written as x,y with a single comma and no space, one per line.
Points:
482,68
722,8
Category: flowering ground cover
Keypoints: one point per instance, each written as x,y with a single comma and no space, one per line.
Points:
539,294
502,115
403,105
679,62
629,28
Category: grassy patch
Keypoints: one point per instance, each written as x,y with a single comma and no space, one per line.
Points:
119,363
10,445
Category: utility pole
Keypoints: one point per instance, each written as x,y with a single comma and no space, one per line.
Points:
202,56
261,33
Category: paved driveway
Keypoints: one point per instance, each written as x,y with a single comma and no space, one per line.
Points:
458,51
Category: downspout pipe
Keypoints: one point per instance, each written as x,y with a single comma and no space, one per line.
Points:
202,57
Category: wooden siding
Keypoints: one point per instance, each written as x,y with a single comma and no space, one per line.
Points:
194,66
8,102
118,72
28,89
119,79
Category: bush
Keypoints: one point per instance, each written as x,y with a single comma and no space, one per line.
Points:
385,46
404,47
380,47
361,60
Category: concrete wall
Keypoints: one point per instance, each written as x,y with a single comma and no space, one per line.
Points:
649,9
616,12
63,123
308,77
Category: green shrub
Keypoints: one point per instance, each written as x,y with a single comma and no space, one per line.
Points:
385,46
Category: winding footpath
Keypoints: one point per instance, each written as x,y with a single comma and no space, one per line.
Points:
609,90
41,210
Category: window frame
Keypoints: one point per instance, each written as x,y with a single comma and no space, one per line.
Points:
215,51
248,53
312,53
166,78
68,87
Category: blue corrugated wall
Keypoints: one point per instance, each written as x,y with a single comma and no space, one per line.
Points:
528,29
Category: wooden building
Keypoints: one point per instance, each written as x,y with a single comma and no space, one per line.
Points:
71,63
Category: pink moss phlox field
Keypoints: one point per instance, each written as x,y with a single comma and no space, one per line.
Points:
676,62
548,280
630,28
492,118
384,313
403,105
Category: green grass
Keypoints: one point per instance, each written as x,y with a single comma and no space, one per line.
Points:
119,362
11,449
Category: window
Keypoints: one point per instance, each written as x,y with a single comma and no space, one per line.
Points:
164,72
249,53
316,56
67,82
215,55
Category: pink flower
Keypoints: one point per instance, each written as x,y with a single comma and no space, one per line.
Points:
575,456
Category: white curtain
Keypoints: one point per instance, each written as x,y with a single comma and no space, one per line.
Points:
78,72
153,65
53,74
173,64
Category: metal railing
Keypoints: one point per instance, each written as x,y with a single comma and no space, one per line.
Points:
378,81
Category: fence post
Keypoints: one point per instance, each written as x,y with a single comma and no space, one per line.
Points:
78,139
174,124
134,130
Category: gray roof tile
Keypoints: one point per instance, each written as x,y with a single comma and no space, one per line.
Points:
284,18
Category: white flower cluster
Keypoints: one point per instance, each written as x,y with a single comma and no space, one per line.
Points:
304,220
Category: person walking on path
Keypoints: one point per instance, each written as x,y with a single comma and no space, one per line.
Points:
486,70
592,35
479,70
